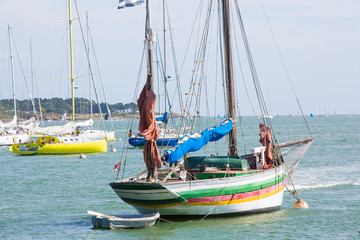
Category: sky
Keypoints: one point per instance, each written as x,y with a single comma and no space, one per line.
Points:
318,42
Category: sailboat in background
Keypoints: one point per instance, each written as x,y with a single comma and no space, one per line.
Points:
169,135
209,185
63,117
56,139
90,132
13,131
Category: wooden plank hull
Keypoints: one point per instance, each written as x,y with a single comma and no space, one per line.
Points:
258,192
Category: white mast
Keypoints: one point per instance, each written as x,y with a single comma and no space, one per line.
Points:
12,72
88,55
72,65
165,67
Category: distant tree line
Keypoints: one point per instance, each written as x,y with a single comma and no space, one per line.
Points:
60,106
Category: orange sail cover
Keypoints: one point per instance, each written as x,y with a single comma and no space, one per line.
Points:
147,126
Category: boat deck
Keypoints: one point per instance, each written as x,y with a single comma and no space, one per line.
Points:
168,176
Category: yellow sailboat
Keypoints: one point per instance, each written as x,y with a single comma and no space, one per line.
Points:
62,144
59,146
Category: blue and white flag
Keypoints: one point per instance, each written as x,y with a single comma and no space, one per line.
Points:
129,3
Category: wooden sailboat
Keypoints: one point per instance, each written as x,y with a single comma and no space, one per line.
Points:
64,143
212,185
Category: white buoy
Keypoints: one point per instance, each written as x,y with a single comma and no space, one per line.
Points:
301,204
82,155
113,150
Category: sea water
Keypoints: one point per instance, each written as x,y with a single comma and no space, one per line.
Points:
46,197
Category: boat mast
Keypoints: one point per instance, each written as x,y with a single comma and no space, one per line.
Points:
149,82
88,54
165,69
32,70
72,65
35,86
32,80
229,78
12,72
148,37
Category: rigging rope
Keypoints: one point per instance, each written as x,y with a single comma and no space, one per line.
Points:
285,68
101,81
198,67
242,75
124,153
90,68
222,59
262,104
175,63
23,72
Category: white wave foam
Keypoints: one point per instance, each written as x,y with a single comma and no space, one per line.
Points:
357,182
323,185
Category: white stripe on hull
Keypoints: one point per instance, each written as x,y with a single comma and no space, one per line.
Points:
157,194
228,182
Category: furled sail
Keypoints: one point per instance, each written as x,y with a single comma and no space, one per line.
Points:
147,126
129,3
11,124
195,141
29,124
87,123
55,130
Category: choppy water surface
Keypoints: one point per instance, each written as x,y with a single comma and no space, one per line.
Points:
46,197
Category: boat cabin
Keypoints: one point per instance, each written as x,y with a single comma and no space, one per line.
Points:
201,168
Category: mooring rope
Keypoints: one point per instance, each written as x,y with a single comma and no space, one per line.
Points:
293,193
217,199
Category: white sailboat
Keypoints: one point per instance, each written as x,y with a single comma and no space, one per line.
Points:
12,132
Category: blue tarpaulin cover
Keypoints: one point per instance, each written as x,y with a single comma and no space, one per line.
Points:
195,141
163,118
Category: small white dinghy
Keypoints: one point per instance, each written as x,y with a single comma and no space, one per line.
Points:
123,221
